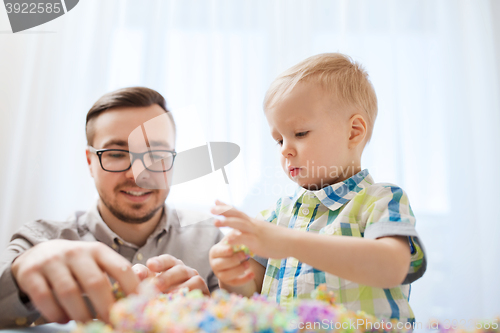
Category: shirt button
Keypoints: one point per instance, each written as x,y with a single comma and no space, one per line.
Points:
119,241
305,211
21,321
159,240
139,256
286,292
114,246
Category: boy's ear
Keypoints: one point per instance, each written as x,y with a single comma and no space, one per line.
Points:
357,130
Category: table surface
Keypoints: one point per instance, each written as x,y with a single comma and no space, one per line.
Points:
47,328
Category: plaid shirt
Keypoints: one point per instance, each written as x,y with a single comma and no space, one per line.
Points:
356,207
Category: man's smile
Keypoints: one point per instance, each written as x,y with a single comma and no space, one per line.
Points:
137,195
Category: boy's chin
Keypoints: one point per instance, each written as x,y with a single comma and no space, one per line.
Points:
311,186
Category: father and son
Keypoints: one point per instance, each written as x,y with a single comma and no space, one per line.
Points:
340,228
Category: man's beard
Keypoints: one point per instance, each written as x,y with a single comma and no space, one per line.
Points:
122,214
128,218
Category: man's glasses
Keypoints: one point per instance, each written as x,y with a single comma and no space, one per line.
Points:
118,160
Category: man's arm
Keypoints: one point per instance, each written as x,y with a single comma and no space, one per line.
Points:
16,311
55,273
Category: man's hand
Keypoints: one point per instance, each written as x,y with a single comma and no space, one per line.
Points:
55,273
262,238
170,274
231,268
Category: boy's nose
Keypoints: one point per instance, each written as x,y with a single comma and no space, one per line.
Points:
287,150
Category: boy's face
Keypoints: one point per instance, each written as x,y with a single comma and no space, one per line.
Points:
313,135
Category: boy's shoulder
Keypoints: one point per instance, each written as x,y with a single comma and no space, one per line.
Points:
382,189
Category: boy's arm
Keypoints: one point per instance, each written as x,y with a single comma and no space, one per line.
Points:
381,262
251,287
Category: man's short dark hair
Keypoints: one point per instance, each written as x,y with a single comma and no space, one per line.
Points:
122,98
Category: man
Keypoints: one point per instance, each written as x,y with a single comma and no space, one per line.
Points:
48,266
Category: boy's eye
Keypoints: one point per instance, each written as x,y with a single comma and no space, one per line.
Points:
301,134
279,142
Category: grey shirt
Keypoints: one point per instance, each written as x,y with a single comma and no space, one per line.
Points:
174,235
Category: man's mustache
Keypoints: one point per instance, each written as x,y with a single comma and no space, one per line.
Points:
147,185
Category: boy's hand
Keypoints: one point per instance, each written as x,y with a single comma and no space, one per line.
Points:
231,268
262,238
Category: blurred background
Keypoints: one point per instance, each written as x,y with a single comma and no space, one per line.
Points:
434,64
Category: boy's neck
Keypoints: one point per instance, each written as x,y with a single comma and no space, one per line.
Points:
343,173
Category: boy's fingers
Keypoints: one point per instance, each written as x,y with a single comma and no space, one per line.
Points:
246,239
235,223
233,273
222,251
221,264
249,275
227,211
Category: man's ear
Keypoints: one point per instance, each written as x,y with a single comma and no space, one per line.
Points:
89,161
357,130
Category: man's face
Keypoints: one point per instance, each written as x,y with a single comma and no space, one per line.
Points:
118,191
312,133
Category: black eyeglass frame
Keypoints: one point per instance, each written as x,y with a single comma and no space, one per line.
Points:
135,156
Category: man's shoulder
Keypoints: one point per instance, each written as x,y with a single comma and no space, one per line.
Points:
42,229
185,217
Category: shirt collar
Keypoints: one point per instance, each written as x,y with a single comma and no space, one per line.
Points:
96,225
336,195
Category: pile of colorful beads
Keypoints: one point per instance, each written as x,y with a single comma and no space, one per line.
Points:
150,311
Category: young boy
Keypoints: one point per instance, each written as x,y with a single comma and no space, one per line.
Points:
340,228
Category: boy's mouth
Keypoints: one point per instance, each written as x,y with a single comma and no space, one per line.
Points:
294,172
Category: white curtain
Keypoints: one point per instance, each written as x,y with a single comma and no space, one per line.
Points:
433,65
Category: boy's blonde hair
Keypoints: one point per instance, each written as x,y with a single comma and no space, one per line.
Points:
339,75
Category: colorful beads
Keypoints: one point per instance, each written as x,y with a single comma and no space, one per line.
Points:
185,311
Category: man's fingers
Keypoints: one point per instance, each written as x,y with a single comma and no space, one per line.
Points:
95,284
67,291
162,263
196,282
142,271
117,267
41,295
174,277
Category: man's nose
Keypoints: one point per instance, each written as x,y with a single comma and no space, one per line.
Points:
136,169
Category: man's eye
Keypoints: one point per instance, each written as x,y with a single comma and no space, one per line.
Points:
117,155
302,134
